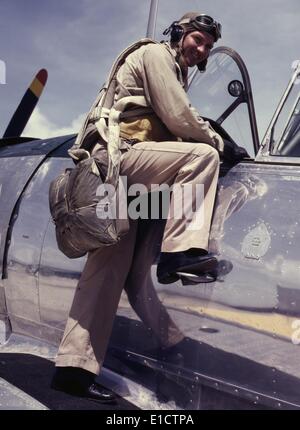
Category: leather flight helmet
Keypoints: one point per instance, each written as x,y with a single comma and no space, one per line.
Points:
189,22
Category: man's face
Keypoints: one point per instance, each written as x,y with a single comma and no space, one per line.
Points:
196,47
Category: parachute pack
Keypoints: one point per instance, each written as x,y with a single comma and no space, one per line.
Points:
73,196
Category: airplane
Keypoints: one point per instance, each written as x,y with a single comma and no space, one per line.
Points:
242,331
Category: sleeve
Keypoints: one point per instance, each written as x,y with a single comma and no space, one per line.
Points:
170,102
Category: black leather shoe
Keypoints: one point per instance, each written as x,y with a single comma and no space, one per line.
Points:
218,274
177,265
78,382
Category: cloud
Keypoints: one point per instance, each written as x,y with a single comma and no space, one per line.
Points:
40,126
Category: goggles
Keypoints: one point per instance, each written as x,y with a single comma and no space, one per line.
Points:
206,23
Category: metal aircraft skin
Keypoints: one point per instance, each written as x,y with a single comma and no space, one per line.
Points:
242,331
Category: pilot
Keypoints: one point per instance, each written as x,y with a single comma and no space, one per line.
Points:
173,145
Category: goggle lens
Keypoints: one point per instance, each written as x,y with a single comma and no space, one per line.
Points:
205,19
208,21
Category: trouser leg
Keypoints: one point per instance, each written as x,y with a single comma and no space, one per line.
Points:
94,306
176,163
140,289
98,292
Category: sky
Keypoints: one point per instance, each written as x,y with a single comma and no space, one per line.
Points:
77,41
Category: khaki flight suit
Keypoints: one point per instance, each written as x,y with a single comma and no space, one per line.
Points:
157,158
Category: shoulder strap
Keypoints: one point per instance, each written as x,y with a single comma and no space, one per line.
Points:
104,100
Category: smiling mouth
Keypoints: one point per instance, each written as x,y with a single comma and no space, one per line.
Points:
196,58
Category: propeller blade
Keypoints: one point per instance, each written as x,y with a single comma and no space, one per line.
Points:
24,110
